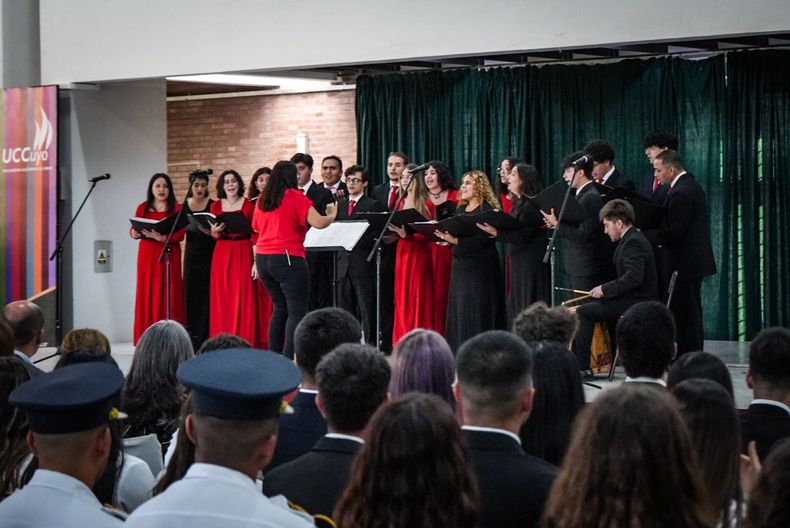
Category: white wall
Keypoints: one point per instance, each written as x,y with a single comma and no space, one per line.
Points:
120,129
90,40
19,44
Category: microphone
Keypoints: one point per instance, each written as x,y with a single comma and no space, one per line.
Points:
202,172
105,176
583,159
420,168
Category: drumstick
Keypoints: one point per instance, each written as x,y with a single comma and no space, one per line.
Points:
571,290
582,297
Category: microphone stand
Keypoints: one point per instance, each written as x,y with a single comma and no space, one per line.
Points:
550,248
58,252
166,252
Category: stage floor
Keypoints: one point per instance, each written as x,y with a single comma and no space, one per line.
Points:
734,353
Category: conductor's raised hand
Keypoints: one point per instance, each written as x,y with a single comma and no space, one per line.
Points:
331,210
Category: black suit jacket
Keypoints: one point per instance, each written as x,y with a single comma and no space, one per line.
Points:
513,485
636,270
588,251
320,197
298,431
658,196
316,480
358,257
381,193
685,232
765,424
617,179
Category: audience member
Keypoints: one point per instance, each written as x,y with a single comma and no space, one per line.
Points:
423,362
768,417
181,454
6,338
646,342
630,463
68,410
352,384
84,338
538,322
702,365
411,471
559,397
27,322
769,501
495,393
709,413
222,341
152,396
237,395
14,452
316,335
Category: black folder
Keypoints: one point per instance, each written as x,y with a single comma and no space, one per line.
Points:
551,198
427,229
499,219
649,215
445,210
236,223
162,227
460,226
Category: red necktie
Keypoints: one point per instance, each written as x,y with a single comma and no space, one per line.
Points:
599,180
393,196
656,183
352,204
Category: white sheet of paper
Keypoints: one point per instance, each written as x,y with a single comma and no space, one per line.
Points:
336,236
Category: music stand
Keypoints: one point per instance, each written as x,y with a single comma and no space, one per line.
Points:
338,236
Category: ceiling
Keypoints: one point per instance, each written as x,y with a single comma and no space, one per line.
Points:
346,75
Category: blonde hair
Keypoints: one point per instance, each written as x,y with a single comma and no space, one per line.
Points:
482,189
419,192
84,338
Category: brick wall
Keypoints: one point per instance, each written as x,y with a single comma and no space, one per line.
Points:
244,133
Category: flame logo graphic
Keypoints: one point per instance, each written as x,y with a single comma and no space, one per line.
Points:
43,136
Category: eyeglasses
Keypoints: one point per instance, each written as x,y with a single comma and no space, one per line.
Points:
354,180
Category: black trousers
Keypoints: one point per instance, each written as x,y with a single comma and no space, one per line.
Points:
589,314
687,308
287,280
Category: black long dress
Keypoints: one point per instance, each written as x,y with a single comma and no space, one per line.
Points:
530,278
477,291
197,274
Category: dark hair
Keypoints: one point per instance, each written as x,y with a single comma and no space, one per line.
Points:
352,383
85,355
493,369
617,210
171,196
586,166
355,169
531,183
84,338
443,172
769,501
319,332
283,177
600,150
670,158
646,339
559,397
538,322
221,183
13,440
338,160
301,157
423,362
709,412
6,339
26,321
252,191
501,188
401,155
183,455
194,176
412,470
769,357
660,139
223,341
700,365
627,447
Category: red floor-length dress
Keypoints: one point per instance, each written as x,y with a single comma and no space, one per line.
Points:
151,296
414,283
233,297
442,262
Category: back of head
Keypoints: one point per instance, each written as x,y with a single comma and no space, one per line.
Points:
494,369
85,355
559,397
423,362
222,341
26,321
700,365
352,383
661,139
600,150
13,444
586,166
709,413
319,332
84,338
646,339
631,442
538,322
769,359
412,470
769,501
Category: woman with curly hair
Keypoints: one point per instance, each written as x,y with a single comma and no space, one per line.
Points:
412,471
151,395
13,438
477,292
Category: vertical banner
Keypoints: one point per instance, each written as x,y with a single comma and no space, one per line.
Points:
28,192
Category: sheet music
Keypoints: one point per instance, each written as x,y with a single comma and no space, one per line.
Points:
336,236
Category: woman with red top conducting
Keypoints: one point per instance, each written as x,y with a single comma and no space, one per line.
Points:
282,215
153,301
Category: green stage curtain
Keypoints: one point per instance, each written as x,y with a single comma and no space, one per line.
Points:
472,119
